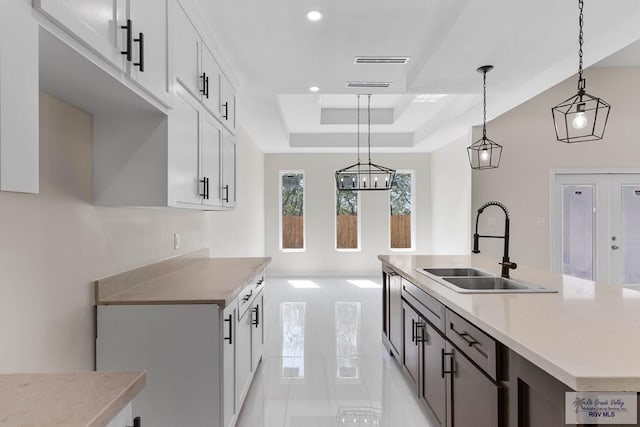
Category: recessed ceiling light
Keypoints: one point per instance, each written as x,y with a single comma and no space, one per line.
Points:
314,88
314,15
428,98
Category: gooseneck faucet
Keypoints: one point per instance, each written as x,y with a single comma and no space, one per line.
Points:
506,263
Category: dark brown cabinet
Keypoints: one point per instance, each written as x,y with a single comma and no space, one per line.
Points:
434,384
474,400
392,311
411,350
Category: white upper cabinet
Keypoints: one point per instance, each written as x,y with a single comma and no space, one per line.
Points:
227,103
210,161
210,75
186,52
228,170
19,79
95,23
148,66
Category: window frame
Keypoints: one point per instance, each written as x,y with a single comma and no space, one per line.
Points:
282,173
335,222
412,172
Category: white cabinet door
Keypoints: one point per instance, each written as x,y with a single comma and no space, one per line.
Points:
228,170
210,161
149,65
19,93
123,419
243,357
184,134
96,23
211,74
228,385
186,52
257,330
227,103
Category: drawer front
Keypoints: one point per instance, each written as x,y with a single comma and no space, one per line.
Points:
245,298
258,283
428,307
475,344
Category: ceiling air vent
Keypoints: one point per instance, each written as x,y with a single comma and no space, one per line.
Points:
381,59
368,84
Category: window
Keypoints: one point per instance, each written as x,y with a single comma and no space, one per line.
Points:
401,208
347,220
292,211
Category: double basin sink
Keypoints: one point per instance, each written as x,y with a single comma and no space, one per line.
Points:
474,281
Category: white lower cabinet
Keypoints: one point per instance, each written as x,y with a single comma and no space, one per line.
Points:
200,360
124,418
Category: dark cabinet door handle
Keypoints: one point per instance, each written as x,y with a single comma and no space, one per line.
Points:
137,422
420,332
140,63
443,355
256,311
128,52
206,87
204,187
206,184
247,297
230,337
413,330
226,193
465,337
226,110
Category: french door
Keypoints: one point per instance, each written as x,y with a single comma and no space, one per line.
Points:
596,226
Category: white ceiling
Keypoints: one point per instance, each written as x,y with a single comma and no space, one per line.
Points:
279,54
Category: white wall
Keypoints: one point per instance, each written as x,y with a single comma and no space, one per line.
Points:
52,245
241,232
451,198
531,151
320,256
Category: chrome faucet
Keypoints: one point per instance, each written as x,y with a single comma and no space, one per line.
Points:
506,263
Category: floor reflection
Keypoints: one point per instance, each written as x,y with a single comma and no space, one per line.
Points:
324,364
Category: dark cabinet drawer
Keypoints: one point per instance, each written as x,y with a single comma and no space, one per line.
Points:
428,307
475,344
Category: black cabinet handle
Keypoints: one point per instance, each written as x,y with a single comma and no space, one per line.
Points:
247,297
260,281
413,330
420,337
256,321
226,193
443,354
226,110
204,188
128,51
230,337
465,337
206,86
140,63
203,89
137,422
207,187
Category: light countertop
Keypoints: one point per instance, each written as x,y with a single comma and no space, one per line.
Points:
79,399
586,335
186,280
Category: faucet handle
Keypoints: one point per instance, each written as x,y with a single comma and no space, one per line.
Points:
509,264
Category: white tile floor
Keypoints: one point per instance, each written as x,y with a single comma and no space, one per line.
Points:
324,363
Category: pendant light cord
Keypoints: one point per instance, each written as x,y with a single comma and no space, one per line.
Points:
358,129
369,127
484,105
581,82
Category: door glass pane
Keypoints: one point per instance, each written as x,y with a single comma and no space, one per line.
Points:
292,203
631,233
401,209
578,231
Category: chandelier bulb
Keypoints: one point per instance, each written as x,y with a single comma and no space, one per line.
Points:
580,121
484,155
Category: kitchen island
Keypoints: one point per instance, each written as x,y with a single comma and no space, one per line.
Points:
531,347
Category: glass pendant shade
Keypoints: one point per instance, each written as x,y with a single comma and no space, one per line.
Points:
582,117
484,153
363,176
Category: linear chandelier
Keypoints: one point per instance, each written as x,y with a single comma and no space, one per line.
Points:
484,153
364,176
582,117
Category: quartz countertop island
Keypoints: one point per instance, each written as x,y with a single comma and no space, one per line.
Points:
585,335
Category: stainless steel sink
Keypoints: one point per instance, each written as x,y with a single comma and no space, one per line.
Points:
456,272
473,281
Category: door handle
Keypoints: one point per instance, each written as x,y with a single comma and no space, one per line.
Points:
413,330
128,52
226,193
615,247
137,422
443,355
140,63
230,337
422,335
226,110
203,89
256,311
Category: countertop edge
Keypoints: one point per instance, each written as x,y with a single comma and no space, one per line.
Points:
122,400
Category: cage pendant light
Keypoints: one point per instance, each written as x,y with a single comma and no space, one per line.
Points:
365,176
582,117
484,153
